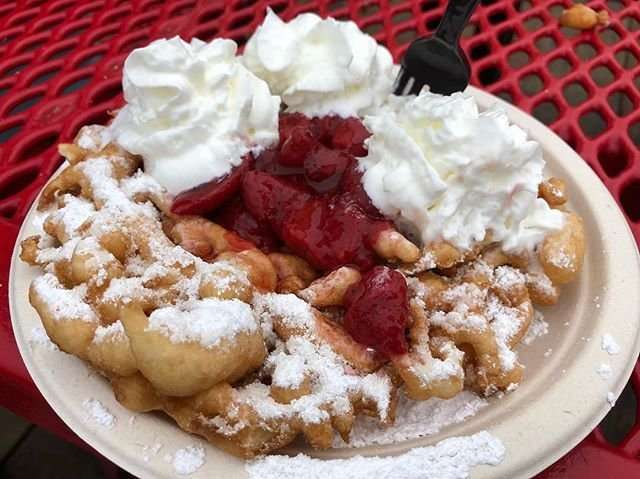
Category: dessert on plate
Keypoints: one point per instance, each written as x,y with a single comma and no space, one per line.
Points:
269,245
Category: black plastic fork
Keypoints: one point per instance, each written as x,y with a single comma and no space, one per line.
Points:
438,61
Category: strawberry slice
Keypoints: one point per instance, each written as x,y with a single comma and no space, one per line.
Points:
323,168
377,311
270,198
206,197
296,147
235,217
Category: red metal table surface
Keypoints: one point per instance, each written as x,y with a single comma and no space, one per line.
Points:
60,68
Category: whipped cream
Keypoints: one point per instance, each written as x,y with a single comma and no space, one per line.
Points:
193,111
320,67
444,171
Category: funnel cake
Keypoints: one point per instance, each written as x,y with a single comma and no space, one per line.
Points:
251,348
173,331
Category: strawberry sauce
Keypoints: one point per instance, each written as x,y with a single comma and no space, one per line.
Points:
306,194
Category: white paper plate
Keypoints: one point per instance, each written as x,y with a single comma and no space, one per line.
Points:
560,401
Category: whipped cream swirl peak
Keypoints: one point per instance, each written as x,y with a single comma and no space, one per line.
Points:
445,171
320,67
193,111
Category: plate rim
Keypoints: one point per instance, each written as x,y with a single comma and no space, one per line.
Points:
484,99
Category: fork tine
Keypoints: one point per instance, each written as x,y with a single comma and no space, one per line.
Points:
401,82
416,86
408,89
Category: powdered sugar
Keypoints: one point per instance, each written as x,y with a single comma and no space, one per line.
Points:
332,386
150,451
50,254
414,419
140,183
426,262
187,460
63,303
290,309
303,355
98,413
452,458
206,321
458,320
38,220
100,174
539,327
377,388
604,371
610,345
561,259
75,212
39,337
541,282
113,332
431,369
611,399
93,137
288,370
125,290
507,278
476,308
505,322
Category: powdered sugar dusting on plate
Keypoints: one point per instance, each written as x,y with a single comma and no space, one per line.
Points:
187,460
610,345
452,458
150,451
414,419
98,413
539,327
604,371
39,337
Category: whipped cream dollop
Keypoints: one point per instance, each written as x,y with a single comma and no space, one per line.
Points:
320,67
444,171
193,111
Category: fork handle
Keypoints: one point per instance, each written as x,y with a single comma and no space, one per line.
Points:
454,20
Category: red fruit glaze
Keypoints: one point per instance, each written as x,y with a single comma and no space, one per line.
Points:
318,208
290,121
206,197
296,147
350,136
235,217
306,192
352,185
269,198
327,230
377,311
323,168
331,232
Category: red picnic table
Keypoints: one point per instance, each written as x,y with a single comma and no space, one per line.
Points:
60,68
